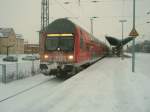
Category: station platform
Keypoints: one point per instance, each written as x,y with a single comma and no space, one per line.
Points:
107,86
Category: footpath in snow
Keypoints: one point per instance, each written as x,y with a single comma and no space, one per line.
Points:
107,86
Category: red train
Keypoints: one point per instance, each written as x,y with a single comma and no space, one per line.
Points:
65,48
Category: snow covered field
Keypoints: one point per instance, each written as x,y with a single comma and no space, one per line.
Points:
18,70
107,86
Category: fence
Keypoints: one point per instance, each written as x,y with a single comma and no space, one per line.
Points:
1,72
15,71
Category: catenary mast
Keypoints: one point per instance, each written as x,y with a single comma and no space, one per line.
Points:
44,14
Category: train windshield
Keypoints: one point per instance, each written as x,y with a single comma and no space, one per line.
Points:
63,43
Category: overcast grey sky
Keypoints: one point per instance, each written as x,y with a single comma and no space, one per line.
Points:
24,16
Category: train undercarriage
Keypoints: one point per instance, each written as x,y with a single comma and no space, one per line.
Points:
59,70
65,69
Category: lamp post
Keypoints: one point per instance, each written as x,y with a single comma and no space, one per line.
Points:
122,23
148,22
133,34
91,20
133,43
79,2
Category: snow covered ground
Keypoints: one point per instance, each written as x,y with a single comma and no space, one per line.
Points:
107,86
27,98
10,89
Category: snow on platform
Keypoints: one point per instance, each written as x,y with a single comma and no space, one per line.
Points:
107,86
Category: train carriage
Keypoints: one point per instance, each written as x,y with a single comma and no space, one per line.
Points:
65,48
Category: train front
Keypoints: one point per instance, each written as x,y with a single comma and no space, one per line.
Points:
57,50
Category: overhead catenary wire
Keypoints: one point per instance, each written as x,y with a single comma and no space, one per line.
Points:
123,8
97,1
82,11
81,22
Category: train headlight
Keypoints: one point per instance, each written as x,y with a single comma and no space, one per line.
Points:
45,56
70,57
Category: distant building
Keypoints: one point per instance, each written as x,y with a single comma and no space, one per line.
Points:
141,47
10,42
31,48
20,44
146,46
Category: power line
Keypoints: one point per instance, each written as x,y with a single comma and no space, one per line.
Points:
69,12
64,7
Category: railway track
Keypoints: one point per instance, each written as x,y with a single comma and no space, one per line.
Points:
30,88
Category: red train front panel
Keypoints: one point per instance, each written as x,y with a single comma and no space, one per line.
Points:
58,48
68,50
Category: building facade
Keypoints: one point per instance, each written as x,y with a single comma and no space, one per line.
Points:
19,44
31,48
9,43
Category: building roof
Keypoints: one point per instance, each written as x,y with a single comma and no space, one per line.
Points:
5,32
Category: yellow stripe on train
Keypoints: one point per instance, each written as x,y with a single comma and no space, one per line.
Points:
60,35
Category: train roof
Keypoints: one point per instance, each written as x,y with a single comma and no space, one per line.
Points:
62,25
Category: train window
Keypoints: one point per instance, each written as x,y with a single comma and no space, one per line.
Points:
81,42
64,43
51,43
